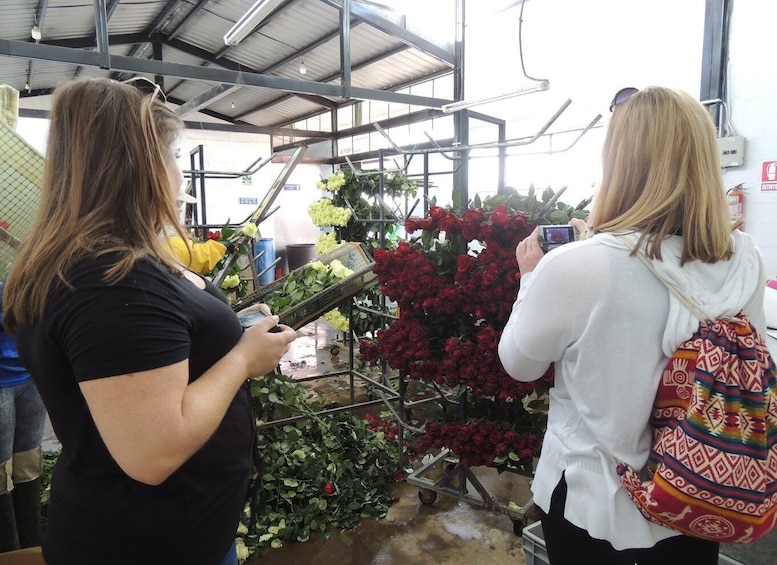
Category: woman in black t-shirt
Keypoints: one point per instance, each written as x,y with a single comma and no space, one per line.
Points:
141,363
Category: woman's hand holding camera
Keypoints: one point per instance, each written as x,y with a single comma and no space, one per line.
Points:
529,252
264,343
582,229
531,249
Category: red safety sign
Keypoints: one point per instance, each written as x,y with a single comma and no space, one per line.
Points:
769,176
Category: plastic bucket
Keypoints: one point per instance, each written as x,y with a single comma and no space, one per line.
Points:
299,254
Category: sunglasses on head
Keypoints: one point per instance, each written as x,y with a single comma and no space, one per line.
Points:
622,95
146,86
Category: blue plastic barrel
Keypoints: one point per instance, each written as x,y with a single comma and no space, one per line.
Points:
265,259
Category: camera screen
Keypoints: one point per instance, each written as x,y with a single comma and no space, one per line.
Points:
558,235
248,319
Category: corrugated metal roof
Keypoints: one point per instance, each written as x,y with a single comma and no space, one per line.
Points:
191,33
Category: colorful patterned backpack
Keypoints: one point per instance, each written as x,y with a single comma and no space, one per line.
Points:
712,471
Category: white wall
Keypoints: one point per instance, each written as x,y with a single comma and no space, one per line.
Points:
587,51
35,131
753,107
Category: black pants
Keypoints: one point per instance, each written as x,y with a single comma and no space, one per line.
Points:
569,545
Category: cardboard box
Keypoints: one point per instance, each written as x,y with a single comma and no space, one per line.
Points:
29,556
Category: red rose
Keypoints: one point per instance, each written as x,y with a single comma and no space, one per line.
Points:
436,212
473,215
448,223
499,216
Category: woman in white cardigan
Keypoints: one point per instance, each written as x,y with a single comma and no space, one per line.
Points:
594,309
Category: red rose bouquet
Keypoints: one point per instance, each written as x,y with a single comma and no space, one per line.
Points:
454,287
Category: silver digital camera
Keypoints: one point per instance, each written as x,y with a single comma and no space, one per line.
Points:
554,236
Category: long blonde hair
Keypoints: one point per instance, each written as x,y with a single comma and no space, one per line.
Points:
661,176
107,188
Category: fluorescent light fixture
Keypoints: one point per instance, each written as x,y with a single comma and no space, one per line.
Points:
246,24
463,104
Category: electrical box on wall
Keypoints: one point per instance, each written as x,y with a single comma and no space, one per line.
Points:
732,151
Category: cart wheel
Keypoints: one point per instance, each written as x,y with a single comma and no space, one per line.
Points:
334,350
427,496
518,526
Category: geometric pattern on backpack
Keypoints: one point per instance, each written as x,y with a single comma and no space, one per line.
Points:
712,471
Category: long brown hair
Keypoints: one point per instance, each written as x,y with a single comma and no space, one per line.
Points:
662,176
107,188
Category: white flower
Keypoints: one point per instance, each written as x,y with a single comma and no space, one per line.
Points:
324,213
333,183
326,242
230,281
249,229
242,550
317,266
337,319
339,270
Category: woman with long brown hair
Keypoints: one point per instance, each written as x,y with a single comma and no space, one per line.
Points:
596,311
141,363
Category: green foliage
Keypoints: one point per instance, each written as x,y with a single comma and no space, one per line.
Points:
300,285
359,193
540,210
319,472
49,459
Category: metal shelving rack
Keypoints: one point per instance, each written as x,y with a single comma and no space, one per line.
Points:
458,481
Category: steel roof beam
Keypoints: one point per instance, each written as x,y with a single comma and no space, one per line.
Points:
345,48
40,13
164,17
326,79
193,12
229,64
29,50
399,32
90,41
206,98
275,13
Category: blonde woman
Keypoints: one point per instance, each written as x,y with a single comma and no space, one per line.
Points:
595,310
141,364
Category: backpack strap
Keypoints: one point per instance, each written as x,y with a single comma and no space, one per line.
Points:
686,300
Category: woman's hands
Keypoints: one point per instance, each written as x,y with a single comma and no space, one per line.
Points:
529,252
264,343
582,229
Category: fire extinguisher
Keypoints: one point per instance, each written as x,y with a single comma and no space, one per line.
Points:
736,205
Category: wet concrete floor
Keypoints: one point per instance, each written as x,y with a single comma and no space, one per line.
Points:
446,531
449,531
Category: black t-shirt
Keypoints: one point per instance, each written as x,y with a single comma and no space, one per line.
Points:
151,319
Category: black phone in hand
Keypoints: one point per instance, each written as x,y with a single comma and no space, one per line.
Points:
252,317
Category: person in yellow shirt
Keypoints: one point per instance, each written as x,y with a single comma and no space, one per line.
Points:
200,256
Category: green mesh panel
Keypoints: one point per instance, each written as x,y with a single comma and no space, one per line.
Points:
21,173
